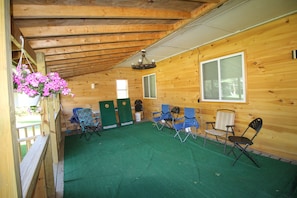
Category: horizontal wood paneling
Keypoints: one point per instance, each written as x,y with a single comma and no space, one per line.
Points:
270,75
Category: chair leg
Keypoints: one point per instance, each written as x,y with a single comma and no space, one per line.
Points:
232,150
85,134
251,158
243,151
178,135
158,126
186,137
95,129
225,146
205,139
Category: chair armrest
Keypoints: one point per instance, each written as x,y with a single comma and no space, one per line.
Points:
177,120
212,124
232,129
230,126
180,118
157,113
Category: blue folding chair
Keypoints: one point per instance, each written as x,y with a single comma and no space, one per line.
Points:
161,118
185,125
87,122
74,118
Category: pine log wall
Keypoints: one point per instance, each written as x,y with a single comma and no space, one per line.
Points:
271,76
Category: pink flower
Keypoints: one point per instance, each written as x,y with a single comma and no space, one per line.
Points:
34,84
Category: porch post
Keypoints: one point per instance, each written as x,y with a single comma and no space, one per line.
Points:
46,120
10,185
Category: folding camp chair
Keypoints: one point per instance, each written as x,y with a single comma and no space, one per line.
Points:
161,118
185,124
223,125
87,122
74,118
243,142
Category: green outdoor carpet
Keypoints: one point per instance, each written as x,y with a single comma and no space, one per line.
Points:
140,161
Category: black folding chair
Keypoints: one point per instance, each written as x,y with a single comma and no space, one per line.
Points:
242,142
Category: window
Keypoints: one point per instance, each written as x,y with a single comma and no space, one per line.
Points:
149,86
122,89
223,79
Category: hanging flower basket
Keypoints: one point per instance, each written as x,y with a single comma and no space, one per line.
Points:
35,83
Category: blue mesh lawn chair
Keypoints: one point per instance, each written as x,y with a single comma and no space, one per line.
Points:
74,118
161,118
87,122
186,124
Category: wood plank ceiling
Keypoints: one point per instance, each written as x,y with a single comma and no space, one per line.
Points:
84,36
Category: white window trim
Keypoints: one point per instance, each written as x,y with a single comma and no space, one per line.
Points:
219,78
149,87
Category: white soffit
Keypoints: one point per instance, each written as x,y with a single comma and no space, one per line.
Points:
195,36
232,17
251,13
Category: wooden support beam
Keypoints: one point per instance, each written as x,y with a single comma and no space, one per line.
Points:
61,57
53,135
45,130
9,164
75,11
68,30
92,39
66,62
94,47
16,39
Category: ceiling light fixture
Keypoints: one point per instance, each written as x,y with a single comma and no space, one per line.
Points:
142,65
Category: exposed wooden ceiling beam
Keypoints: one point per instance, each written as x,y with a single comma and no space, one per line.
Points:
76,11
19,43
91,64
51,60
81,71
203,1
47,31
92,39
94,47
66,65
80,37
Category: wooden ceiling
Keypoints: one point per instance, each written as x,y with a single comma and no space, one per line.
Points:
84,36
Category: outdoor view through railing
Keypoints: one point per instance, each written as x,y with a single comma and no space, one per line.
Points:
27,134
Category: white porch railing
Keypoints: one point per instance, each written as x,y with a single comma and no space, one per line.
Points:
27,134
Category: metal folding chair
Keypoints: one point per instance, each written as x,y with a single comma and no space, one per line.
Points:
186,124
243,142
